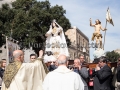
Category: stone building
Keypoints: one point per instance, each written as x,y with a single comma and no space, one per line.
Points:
117,50
79,44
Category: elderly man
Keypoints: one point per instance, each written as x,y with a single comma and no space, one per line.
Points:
82,71
62,78
23,76
118,74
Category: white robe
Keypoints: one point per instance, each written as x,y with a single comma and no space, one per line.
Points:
59,44
63,79
29,77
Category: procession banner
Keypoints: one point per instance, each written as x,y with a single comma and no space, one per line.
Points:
10,46
108,17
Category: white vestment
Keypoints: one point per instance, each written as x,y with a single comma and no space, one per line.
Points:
29,77
56,44
62,79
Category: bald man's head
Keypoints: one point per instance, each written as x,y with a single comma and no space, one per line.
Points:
18,55
62,60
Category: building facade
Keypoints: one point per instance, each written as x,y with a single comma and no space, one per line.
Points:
79,44
117,50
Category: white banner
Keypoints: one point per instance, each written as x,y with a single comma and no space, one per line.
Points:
10,46
108,17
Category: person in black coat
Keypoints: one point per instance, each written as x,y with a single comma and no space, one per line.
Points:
118,74
103,75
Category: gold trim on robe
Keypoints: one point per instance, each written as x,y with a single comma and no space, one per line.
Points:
10,71
45,67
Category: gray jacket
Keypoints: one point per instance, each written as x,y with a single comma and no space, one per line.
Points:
84,75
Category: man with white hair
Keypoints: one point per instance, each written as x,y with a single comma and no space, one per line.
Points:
62,78
82,71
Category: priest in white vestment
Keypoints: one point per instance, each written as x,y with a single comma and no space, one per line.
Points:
24,76
62,78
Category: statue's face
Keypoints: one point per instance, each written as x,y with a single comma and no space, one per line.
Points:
53,24
97,21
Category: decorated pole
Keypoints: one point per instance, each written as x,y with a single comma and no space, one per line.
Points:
104,35
108,19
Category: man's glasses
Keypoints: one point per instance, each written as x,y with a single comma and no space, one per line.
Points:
32,58
81,58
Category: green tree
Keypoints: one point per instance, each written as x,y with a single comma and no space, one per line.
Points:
6,16
29,20
112,56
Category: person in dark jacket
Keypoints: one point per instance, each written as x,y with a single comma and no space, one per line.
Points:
118,74
103,75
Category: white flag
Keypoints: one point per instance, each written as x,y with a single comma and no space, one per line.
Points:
108,17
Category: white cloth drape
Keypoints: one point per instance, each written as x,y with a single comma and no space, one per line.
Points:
59,41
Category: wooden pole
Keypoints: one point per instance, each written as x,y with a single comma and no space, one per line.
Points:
7,50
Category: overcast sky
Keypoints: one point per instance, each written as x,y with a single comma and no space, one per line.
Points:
80,11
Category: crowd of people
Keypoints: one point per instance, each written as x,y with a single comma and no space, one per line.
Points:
101,77
56,75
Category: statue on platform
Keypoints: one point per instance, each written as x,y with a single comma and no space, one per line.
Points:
55,42
97,35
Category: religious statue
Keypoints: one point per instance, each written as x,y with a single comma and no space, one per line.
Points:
97,35
55,43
